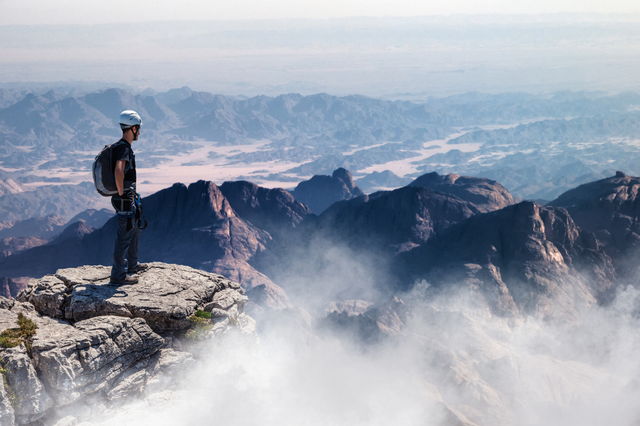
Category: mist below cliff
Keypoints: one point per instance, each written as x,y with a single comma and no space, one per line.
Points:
451,364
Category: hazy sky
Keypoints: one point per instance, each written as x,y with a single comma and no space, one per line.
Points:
92,11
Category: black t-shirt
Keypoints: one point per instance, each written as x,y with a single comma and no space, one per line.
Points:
123,151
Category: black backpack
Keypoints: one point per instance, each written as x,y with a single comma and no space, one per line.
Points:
103,176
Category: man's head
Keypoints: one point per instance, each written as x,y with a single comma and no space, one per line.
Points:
130,121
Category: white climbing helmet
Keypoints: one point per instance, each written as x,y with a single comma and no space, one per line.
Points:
128,119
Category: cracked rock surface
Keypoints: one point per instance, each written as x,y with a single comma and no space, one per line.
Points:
98,345
165,295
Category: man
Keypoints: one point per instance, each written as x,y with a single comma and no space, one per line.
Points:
125,253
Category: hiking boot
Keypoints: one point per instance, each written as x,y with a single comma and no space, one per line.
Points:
138,267
126,280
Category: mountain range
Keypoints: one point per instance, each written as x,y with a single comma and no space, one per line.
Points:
537,146
451,269
453,232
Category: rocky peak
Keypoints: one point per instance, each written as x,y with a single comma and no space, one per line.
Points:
523,259
76,231
344,175
610,209
269,209
400,219
486,194
197,205
322,191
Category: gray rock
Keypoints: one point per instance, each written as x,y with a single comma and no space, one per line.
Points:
243,325
6,303
7,414
47,295
225,299
165,296
77,361
219,313
166,370
269,296
32,399
131,382
96,365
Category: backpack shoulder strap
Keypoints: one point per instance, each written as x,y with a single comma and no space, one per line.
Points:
111,148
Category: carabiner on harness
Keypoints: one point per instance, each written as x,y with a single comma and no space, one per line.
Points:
142,221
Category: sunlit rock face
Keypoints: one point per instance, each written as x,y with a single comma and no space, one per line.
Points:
486,194
522,260
322,191
98,345
610,209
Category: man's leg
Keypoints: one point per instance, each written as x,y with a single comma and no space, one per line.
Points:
123,240
132,252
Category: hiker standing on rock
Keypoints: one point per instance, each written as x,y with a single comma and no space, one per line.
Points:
125,253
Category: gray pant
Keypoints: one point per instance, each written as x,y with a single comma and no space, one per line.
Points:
125,252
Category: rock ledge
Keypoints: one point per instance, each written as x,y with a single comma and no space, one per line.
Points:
97,344
165,296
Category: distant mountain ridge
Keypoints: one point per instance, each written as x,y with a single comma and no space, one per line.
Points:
531,144
468,234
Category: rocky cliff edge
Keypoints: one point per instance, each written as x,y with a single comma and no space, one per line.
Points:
97,344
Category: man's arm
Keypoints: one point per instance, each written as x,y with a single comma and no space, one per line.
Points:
119,172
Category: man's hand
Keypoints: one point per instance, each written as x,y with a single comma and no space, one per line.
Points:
128,193
119,173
